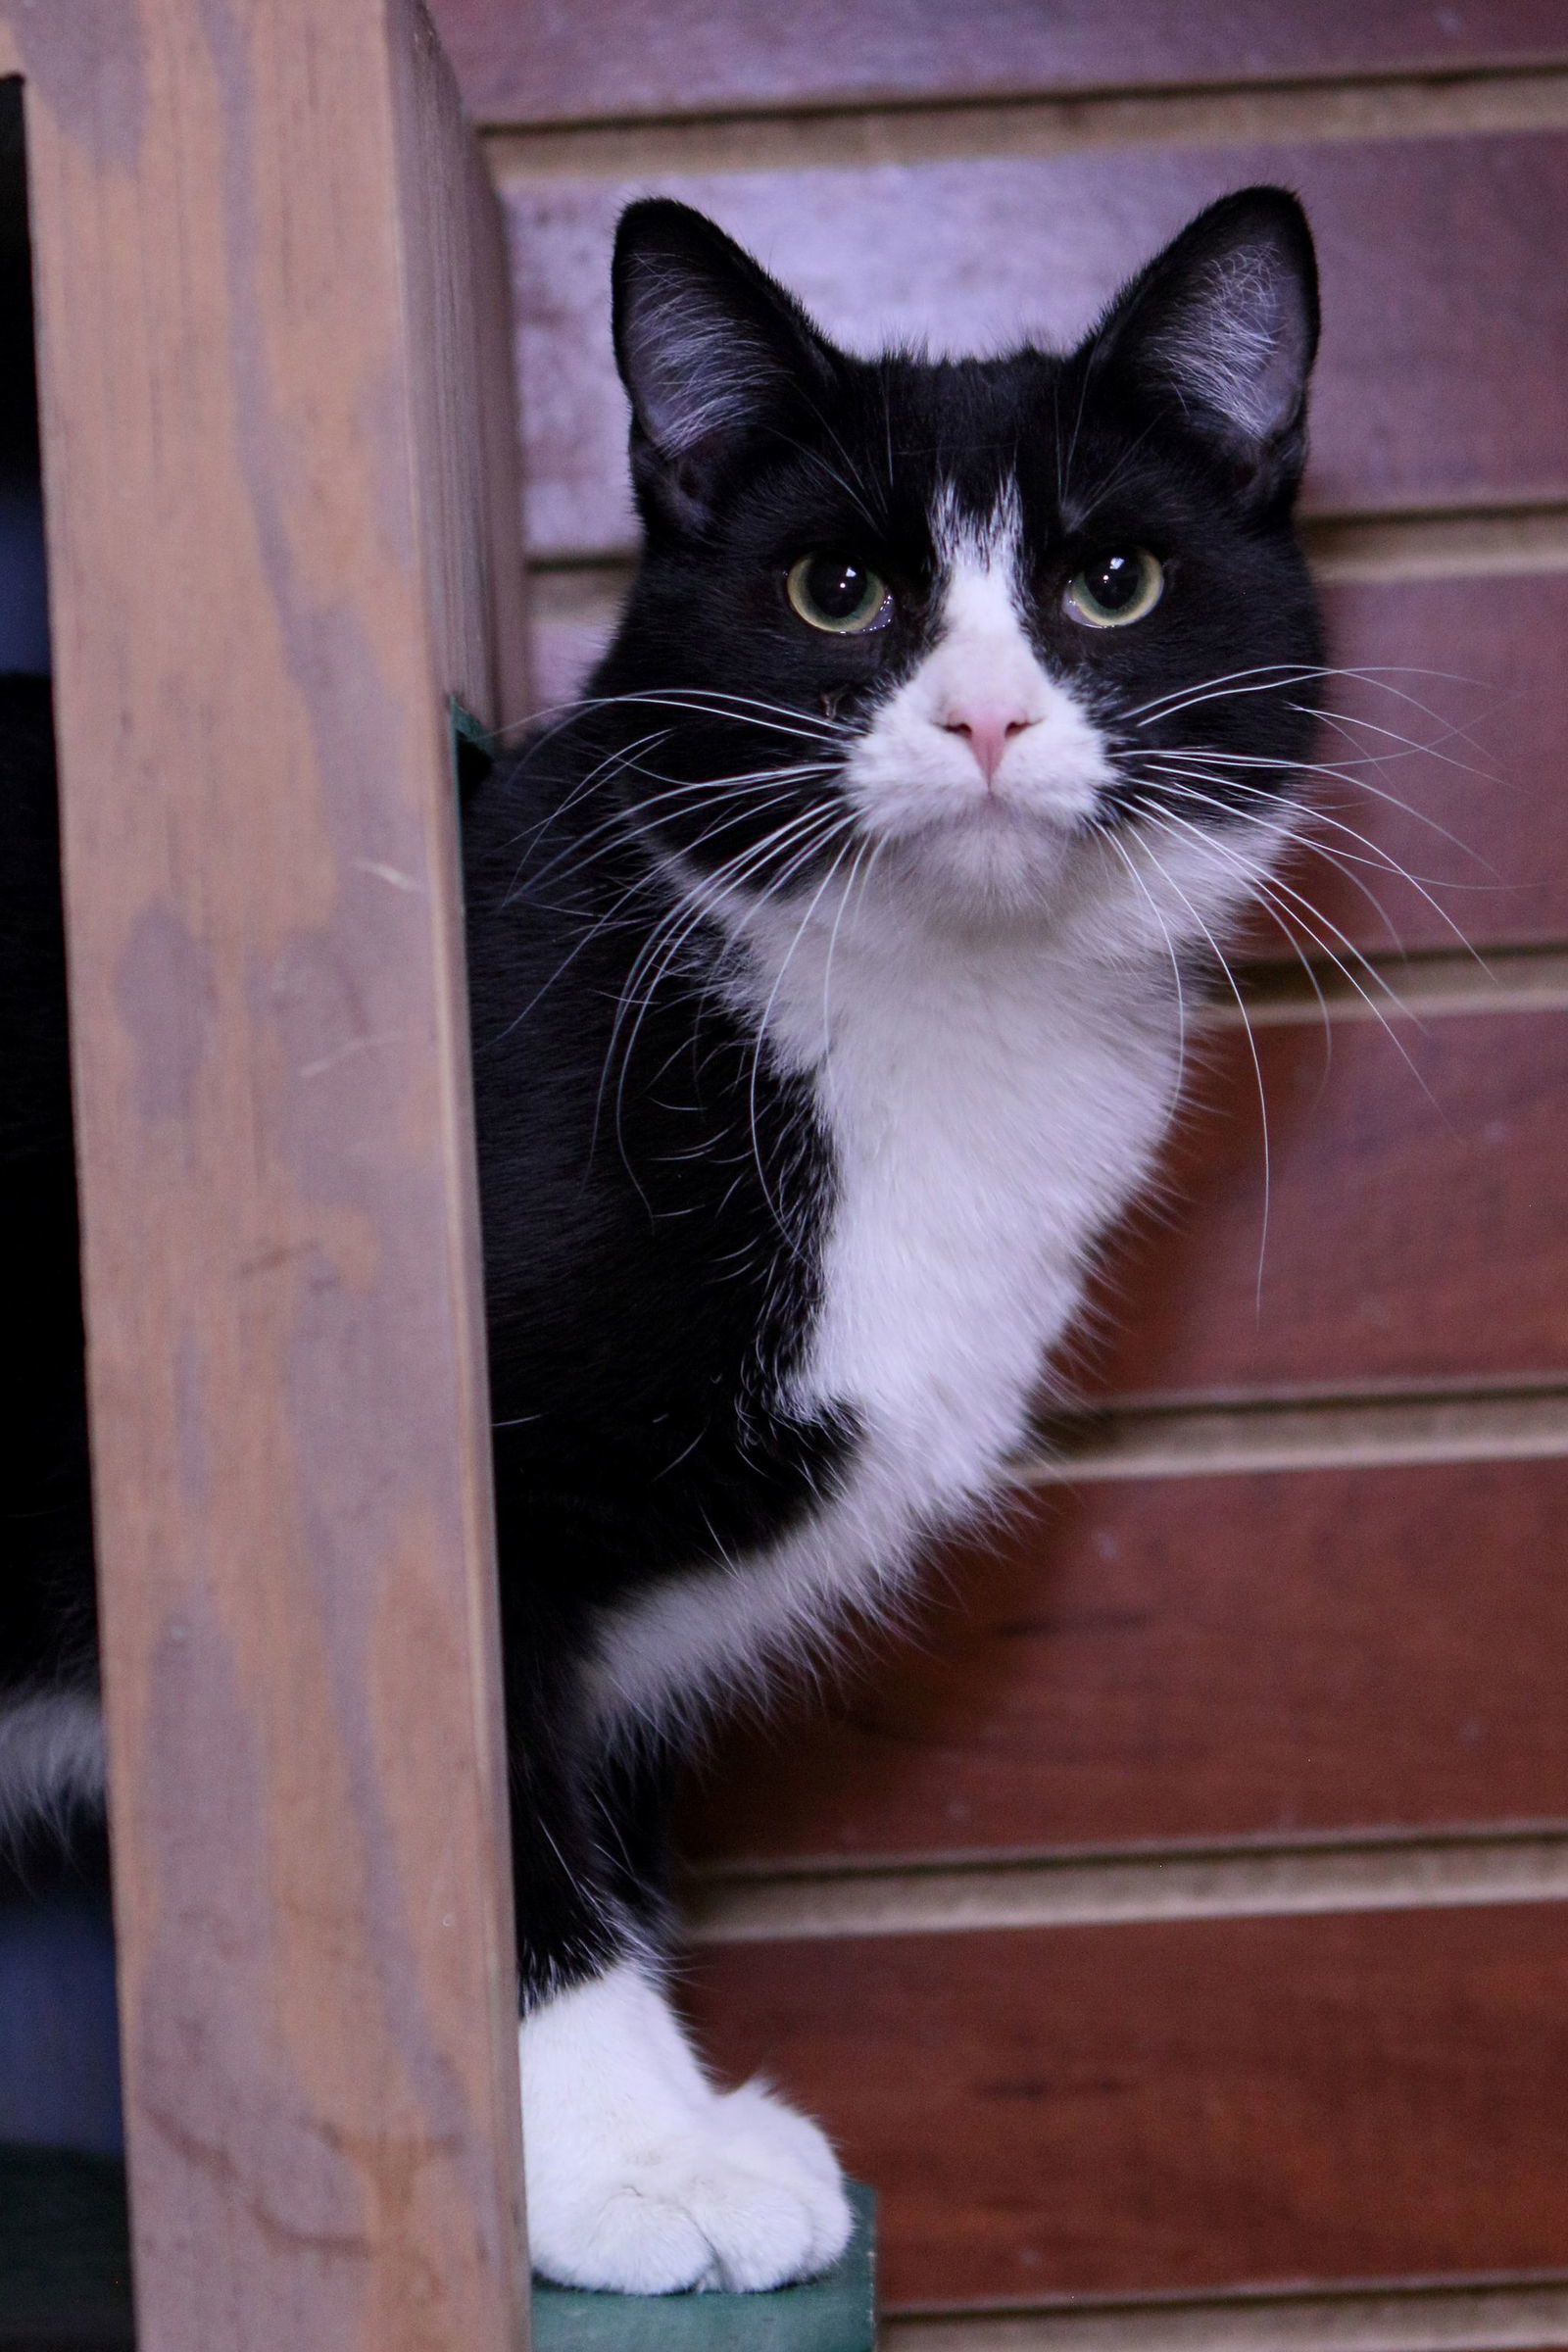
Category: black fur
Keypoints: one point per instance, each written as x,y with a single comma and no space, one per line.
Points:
654,1188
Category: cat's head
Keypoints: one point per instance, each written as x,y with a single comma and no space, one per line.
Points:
983,620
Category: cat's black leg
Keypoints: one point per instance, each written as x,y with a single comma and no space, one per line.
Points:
573,1920
641,2176
633,1799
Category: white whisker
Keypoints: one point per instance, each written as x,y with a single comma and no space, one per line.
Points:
1379,857
1251,1046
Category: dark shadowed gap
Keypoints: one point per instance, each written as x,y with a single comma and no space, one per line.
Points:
59,2071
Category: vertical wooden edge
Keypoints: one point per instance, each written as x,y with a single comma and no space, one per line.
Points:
458,297
465,485
512,677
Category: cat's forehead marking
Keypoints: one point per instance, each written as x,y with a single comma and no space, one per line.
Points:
979,554
989,538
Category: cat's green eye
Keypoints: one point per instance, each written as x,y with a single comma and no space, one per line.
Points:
1115,588
833,592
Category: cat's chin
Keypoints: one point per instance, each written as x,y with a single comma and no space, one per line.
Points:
994,872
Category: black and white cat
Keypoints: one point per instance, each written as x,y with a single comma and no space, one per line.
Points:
828,971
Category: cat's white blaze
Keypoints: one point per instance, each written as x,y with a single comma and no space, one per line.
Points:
914,771
643,2178
51,1756
995,1088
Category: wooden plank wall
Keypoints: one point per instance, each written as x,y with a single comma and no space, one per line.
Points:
273,557
1175,1931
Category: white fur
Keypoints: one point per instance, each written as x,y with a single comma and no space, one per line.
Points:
915,779
51,1756
1232,349
697,372
643,2178
990,1012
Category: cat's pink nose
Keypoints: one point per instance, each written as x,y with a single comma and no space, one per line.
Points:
988,728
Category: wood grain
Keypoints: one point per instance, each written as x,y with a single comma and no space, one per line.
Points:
1369,1429
1192,1659
1449,2315
1101,2110
586,62
1439,382
1416,1208
1255,1878
1449,748
261,412
1035,126
1424,2318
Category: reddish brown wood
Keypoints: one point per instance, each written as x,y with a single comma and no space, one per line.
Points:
1441,377
274,559
521,64
1196,1658
1417,1214
1472,672
1182,2106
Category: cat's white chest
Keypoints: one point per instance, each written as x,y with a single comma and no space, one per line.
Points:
985,1122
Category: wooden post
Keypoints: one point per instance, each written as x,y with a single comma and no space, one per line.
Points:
276,542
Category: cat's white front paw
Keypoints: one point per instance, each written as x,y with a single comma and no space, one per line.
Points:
642,2179
687,2205
755,2117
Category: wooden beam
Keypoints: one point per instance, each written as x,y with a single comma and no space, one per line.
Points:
258,299
849,137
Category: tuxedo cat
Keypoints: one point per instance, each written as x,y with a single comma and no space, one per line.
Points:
829,967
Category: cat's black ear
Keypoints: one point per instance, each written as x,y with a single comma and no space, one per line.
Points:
713,353
1223,325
